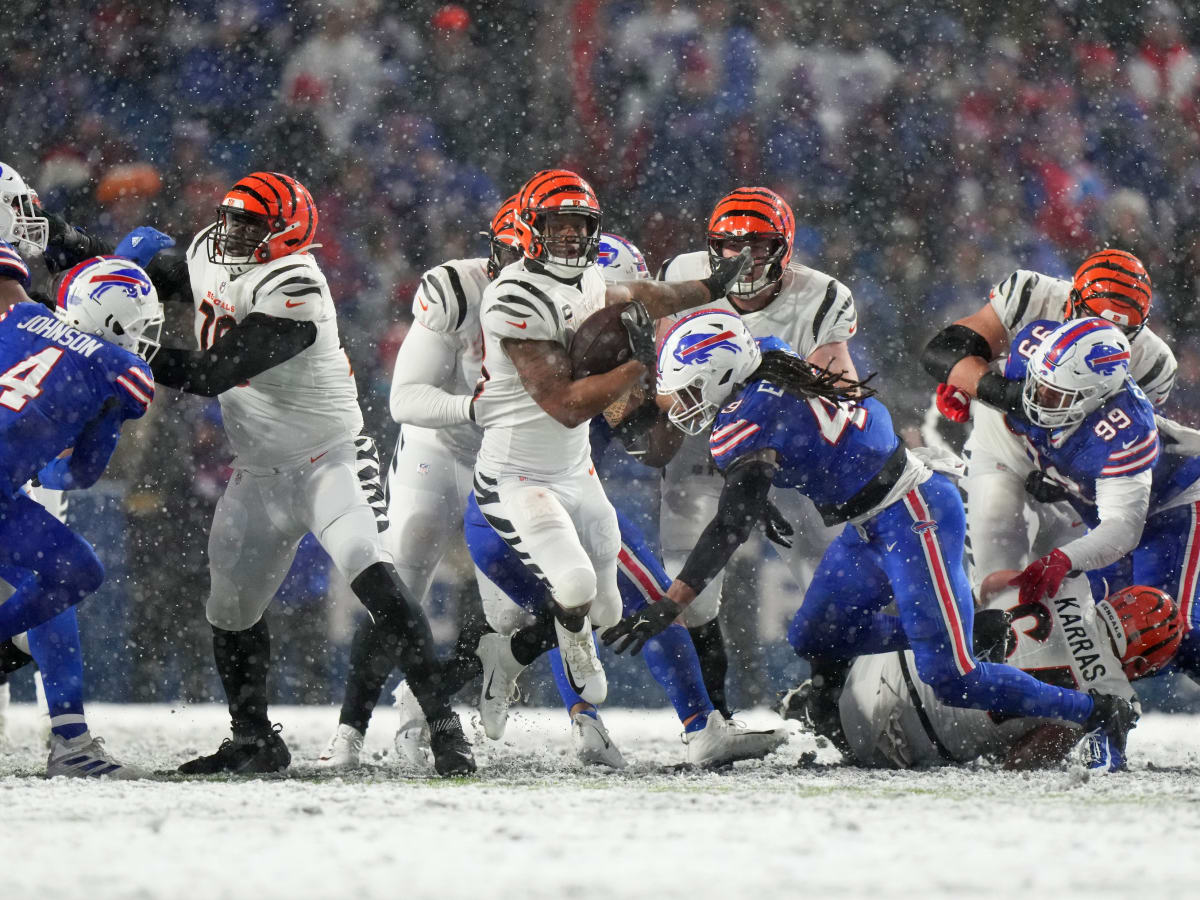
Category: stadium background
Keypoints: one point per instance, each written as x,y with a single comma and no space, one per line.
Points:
926,153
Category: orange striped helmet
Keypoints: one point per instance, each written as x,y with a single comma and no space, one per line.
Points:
1145,626
548,201
503,245
759,218
1113,285
264,216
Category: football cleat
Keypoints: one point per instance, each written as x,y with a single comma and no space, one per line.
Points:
1099,754
593,746
500,671
721,742
85,756
248,754
580,662
344,750
451,749
1114,717
412,737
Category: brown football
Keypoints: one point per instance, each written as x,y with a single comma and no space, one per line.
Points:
601,343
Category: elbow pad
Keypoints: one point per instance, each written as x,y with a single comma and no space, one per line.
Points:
951,345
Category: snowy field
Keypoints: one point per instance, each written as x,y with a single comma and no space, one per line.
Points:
533,824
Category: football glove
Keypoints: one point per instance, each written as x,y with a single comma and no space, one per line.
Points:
640,328
1045,490
141,244
1043,577
953,403
726,273
1002,393
633,631
776,527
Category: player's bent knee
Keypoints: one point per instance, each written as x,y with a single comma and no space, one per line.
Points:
86,574
605,610
575,588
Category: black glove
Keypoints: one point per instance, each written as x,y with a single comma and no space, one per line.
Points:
68,245
633,631
640,328
777,528
726,273
1045,490
1002,393
634,432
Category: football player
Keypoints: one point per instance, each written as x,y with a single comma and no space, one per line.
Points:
966,357
269,348
776,420
815,314
68,382
534,480
886,716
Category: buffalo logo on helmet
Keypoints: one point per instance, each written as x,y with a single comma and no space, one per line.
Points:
1104,359
697,349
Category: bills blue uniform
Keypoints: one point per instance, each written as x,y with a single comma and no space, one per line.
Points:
1121,439
59,389
907,547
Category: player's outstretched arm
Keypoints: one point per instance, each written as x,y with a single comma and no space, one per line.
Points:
545,371
257,343
424,365
959,354
743,503
90,456
664,298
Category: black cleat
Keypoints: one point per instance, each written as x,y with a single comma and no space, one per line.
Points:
250,754
1113,715
451,749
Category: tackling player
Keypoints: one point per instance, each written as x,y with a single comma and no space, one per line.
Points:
787,424
812,312
269,349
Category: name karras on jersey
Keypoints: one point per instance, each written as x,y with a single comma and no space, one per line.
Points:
811,309
1026,296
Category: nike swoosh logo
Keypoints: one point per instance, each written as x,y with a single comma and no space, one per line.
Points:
313,459
487,691
571,680
1129,444
423,304
891,546
521,325
293,303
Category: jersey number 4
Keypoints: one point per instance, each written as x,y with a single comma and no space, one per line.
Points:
834,418
23,381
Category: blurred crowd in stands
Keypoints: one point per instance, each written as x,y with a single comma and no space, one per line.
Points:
927,150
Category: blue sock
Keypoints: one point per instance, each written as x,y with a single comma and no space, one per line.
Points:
671,659
55,648
570,699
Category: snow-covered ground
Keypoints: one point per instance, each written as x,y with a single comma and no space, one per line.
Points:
533,824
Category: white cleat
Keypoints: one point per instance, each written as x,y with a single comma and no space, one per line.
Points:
85,757
344,750
412,737
722,742
500,671
580,662
593,746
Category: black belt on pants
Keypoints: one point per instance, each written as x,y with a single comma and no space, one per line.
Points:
871,494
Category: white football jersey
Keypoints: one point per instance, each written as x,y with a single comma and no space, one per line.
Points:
301,406
447,302
892,718
811,310
518,435
1026,296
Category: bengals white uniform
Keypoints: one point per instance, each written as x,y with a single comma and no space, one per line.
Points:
534,479
302,460
893,719
811,310
430,475
1003,531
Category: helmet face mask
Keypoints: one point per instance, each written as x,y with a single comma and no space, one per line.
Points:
21,222
1075,369
237,236
569,238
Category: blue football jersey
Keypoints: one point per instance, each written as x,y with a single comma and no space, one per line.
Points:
1120,438
827,451
54,380
12,266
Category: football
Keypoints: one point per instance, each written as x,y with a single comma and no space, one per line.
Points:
601,343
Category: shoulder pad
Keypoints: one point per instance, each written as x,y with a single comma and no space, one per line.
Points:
441,302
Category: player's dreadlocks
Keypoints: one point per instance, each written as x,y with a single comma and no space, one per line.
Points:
805,380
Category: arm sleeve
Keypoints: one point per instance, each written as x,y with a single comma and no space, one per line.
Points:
170,277
257,343
1121,504
742,505
424,366
90,456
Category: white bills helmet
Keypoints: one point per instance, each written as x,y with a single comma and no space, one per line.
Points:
21,223
1079,365
619,260
701,360
114,298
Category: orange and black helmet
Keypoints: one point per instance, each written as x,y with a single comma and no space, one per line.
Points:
503,246
1112,285
557,191
761,218
1145,626
264,216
